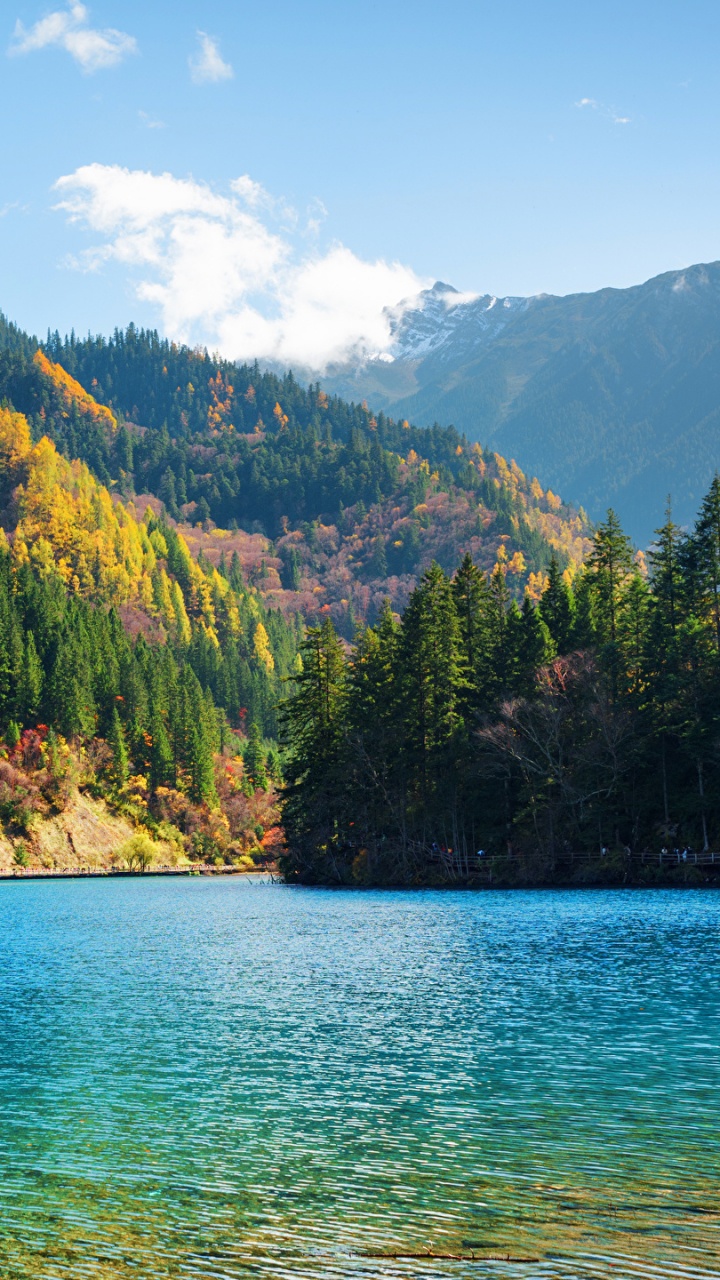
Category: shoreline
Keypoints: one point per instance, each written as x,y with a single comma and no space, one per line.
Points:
270,876
80,874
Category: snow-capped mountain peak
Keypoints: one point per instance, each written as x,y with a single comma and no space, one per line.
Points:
442,317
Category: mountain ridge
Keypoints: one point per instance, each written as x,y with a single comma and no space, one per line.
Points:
612,396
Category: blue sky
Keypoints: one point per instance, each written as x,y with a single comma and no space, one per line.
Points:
511,149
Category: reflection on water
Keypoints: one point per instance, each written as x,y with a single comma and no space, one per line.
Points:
205,1078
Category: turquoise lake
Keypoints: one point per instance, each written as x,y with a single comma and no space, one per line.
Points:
228,1078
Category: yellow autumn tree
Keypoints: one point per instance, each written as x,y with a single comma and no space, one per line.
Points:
261,647
68,521
280,417
15,440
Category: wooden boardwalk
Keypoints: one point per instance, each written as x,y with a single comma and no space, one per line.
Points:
459,864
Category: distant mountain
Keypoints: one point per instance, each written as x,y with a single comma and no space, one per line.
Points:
612,397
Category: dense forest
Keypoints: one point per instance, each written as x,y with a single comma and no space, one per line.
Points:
350,507
82,704
474,732
150,677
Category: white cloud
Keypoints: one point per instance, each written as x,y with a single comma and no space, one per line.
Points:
207,65
68,29
452,300
609,112
230,271
150,122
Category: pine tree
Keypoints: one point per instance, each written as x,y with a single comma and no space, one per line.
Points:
610,567
30,691
11,659
534,647
375,765
120,768
433,680
237,582
584,628
194,739
312,723
557,609
705,557
666,562
610,563
167,494
69,692
661,669
475,607
378,561
162,765
254,758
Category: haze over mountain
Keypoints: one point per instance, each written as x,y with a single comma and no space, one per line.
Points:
613,397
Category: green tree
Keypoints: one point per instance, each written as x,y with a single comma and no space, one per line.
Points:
120,767
610,565
476,613
31,682
557,609
162,764
313,729
534,646
378,561
705,551
254,758
432,689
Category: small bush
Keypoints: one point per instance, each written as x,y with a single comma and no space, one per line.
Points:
138,853
21,857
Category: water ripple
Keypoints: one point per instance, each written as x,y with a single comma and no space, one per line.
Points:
222,1079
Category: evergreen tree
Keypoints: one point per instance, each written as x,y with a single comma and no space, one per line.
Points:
534,647
254,759
705,558
162,765
196,747
30,691
313,729
378,562
557,609
120,768
474,605
610,565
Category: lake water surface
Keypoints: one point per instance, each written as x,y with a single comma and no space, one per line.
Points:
226,1078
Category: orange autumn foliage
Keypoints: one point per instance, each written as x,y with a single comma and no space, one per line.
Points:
220,407
72,395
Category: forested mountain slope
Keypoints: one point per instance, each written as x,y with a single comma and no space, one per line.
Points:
58,524
612,397
343,507
128,668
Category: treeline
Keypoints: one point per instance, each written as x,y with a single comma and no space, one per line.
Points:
590,721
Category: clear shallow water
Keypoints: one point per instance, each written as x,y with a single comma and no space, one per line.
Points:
204,1078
